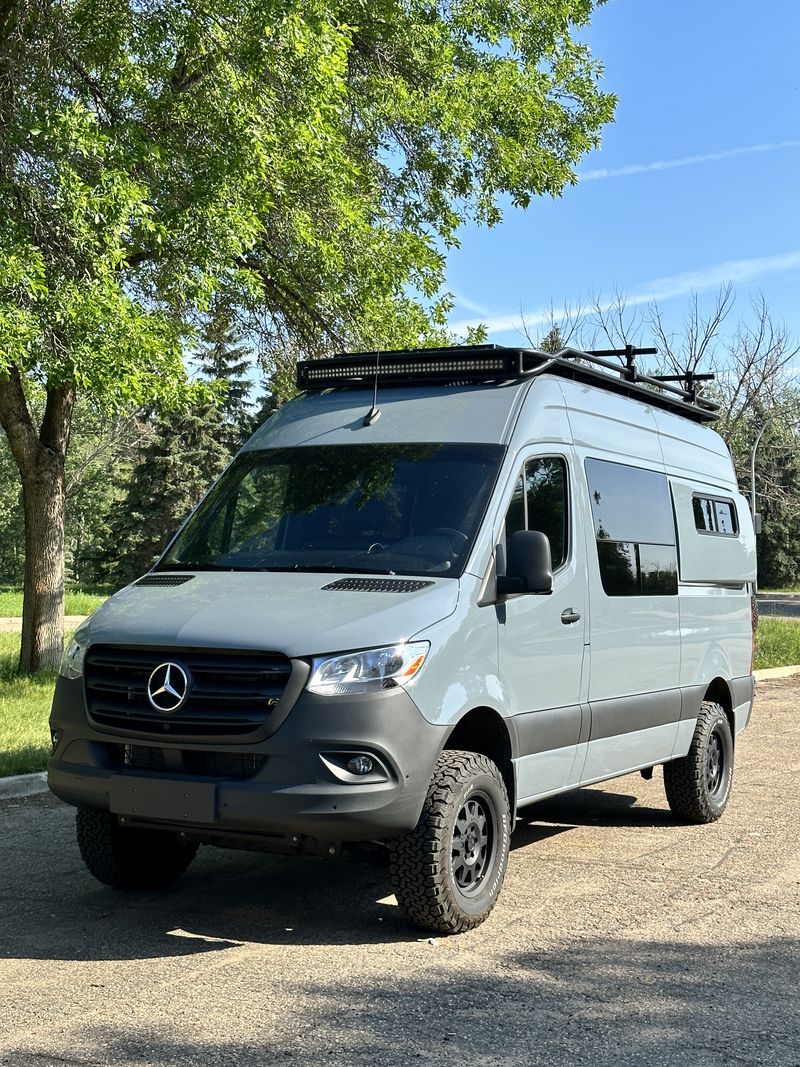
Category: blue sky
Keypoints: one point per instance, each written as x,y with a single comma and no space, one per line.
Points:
696,182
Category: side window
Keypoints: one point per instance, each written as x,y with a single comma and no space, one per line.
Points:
715,516
540,502
546,496
635,529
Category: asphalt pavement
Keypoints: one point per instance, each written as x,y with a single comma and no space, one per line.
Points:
620,938
786,605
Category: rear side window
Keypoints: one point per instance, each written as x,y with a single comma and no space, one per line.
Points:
634,528
540,502
715,516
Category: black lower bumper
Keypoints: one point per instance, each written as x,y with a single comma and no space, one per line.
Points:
292,784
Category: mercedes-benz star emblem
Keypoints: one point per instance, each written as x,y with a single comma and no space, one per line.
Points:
167,687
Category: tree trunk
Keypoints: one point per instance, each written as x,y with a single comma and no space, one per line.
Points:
40,458
43,601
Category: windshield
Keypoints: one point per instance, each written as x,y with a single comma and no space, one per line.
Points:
371,509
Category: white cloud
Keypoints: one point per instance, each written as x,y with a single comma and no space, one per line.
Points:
470,305
686,161
735,271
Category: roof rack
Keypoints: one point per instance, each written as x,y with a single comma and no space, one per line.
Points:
463,364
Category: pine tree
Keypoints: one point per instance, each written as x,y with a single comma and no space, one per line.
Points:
174,470
225,359
552,341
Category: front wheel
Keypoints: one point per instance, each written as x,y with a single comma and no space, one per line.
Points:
128,858
699,785
448,871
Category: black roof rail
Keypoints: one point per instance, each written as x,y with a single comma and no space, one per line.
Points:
463,364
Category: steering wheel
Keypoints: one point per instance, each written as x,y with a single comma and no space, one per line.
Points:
460,538
376,546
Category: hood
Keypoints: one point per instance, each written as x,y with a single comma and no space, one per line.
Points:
270,611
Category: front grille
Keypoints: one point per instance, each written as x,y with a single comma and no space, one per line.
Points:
236,765
230,694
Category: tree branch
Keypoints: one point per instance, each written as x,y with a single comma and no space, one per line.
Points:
16,420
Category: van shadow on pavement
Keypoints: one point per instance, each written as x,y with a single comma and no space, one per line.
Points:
53,909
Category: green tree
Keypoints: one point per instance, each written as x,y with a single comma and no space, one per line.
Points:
184,454
309,162
225,358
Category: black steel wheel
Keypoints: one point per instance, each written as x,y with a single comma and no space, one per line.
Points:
127,858
447,873
698,786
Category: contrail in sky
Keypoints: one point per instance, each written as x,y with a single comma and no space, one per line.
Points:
685,161
668,288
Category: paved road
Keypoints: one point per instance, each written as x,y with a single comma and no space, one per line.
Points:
12,624
775,604
621,938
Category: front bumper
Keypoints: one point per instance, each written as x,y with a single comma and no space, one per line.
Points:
298,788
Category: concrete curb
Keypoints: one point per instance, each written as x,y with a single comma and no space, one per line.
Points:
23,785
768,674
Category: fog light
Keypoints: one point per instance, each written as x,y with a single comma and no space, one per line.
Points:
359,765
55,737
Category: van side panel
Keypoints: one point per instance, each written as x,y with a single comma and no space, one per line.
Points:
689,446
717,637
707,556
635,640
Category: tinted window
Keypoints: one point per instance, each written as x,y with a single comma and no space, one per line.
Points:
703,514
546,494
380,509
515,517
630,504
635,529
540,503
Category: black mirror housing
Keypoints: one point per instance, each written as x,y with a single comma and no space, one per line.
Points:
529,567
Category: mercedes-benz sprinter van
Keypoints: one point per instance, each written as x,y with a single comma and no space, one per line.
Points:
436,587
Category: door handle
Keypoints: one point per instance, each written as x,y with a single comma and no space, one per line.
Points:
569,615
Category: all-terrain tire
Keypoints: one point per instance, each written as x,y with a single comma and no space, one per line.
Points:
130,858
698,785
448,871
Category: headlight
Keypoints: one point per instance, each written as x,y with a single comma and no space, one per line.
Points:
72,663
363,672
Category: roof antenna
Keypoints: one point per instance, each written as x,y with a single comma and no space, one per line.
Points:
374,412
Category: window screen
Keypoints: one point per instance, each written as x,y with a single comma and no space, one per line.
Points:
634,528
715,516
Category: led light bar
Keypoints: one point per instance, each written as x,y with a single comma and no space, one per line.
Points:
465,363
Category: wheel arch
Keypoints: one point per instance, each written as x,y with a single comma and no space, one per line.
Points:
719,691
485,731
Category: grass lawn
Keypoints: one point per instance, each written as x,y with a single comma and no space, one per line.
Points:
77,601
24,710
777,642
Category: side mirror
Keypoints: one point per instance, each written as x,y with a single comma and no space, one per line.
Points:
529,566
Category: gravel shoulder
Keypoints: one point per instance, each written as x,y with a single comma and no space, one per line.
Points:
620,938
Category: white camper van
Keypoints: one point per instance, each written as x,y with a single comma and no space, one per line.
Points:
432,590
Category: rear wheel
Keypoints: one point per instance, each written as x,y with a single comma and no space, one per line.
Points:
127,858
699,785
448,871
